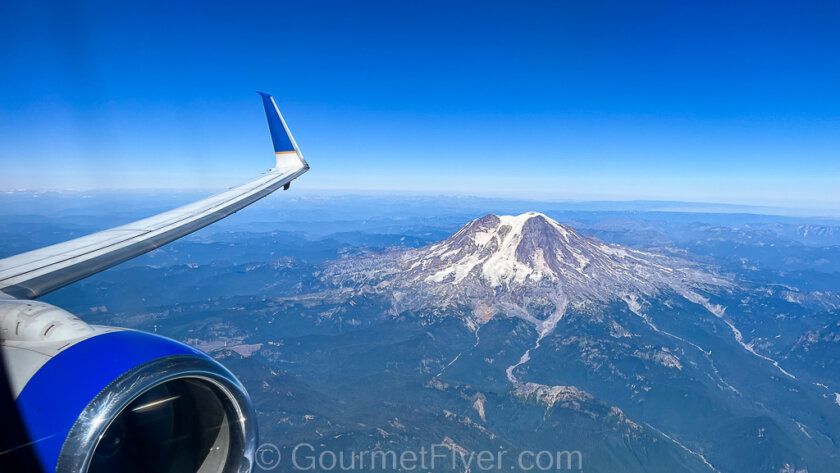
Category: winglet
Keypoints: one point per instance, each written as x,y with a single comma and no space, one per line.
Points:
285,148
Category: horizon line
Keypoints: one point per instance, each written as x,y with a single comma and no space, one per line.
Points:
305,191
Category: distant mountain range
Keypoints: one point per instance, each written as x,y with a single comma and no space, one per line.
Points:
518,333
658,339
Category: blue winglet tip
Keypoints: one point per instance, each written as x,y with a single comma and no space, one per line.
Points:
279,137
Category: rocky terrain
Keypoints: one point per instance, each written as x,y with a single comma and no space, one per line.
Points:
514,333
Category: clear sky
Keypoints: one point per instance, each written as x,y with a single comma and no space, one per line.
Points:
735,102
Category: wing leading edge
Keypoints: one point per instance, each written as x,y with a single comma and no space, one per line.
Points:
35,273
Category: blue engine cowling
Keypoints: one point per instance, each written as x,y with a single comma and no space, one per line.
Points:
132,401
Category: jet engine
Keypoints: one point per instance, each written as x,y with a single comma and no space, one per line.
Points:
99,399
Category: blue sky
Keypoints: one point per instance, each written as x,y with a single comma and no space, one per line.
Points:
733,102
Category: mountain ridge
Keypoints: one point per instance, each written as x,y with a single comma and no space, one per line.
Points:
642,361
528,266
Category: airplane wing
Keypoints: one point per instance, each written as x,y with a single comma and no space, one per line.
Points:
35,273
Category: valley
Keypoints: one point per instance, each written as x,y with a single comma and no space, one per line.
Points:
615,338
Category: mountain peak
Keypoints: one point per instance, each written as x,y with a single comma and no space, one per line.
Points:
514,249
525,263
513,223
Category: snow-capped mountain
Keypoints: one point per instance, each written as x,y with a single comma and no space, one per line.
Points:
526,265
646,344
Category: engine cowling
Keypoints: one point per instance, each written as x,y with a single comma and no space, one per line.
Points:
128,401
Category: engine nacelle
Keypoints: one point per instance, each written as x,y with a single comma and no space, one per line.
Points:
123,401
